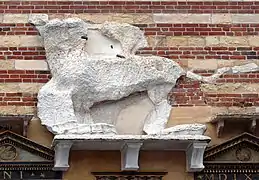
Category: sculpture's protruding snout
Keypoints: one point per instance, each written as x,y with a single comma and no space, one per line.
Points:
84,37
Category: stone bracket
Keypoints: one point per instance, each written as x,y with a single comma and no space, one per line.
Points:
130,146
194,156
249,119
220,127
253,126
62,150
130,156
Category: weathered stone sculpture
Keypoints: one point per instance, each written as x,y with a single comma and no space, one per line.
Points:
96,74
102,96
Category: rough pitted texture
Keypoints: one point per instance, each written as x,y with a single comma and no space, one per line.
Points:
131,37
82,78
250,67
186,129
80,81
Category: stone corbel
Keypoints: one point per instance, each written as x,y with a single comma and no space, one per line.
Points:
62,150
220,127
194,156
253,126
130,156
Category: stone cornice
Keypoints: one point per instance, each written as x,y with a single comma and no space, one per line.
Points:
130,145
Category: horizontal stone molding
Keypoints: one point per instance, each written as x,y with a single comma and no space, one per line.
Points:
31,65
129,7
13,109
135,18
222,18
22,88
182,18
231,88
19,41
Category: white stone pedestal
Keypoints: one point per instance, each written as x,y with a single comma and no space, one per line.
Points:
130,145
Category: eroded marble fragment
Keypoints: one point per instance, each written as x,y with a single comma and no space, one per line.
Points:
95,74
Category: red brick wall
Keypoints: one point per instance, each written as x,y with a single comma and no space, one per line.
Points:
187,92
128,7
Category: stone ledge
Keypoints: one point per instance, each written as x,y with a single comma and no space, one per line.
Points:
130,145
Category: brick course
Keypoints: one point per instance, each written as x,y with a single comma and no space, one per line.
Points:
26,76
18,99
17,29
128,7
22,53
167,29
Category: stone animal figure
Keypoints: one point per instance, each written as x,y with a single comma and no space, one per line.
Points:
87,71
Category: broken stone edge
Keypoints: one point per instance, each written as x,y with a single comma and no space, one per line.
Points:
130,146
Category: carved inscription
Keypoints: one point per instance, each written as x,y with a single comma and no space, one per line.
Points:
227,177
10,175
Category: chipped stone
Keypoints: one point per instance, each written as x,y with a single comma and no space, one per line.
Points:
38,19
7,65
251,67
234,40
177,41
15,18
156,41
112,46
196,41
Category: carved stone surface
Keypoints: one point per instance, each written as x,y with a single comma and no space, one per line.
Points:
131,145
62,150
250,67
22,158
194,157
94,71
7,152
97,80
130,155
243,154
234,159
244,147
129,175
96,76
186,129
222,118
